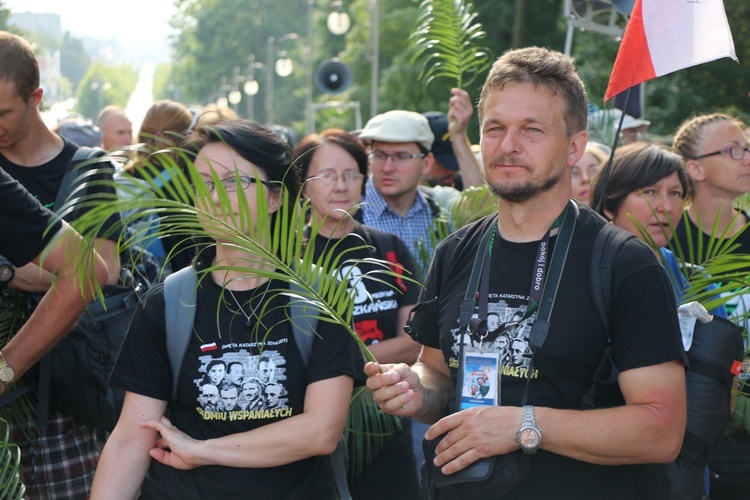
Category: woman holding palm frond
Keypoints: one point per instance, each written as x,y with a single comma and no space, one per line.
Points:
212,445
334,166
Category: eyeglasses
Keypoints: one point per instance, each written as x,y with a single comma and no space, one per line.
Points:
379,157
736,152
331,177
235,183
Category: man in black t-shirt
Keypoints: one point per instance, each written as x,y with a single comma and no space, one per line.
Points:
64,454
532,115
24,225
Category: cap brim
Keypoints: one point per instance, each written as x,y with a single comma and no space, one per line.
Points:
447,160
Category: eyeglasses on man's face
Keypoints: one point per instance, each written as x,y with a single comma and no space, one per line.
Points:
735,152
350,178
378,157
235,183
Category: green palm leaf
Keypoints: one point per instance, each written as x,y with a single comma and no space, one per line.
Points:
445,38
11,483
21,411
716,275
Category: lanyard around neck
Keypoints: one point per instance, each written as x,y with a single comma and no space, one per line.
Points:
538,278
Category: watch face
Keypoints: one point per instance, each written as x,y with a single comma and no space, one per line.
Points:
529,438
6,273
6,373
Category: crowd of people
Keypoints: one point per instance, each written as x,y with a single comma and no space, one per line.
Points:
469,355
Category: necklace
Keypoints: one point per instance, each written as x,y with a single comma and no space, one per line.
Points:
248,317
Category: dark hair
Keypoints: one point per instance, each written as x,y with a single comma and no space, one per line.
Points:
257,144
303,153
230,365
635,167
215,362
542,68
18,64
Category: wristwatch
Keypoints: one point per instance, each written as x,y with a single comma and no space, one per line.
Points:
7,272
529,436
6,372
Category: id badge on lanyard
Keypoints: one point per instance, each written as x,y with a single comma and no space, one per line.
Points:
481,367
480,377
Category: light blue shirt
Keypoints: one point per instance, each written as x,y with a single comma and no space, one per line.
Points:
412,227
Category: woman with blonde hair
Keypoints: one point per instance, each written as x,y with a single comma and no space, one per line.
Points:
583,172
164,126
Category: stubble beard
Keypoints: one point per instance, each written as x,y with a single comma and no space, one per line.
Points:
521,192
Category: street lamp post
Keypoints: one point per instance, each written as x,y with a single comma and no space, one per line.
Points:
282,67
375,55
338,23
235,96
251,87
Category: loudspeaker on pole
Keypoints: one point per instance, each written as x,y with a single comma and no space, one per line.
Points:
333,76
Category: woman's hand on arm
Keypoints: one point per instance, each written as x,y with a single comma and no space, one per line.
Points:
314,432
125,459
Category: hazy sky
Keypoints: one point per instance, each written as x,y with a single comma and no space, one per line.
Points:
135,22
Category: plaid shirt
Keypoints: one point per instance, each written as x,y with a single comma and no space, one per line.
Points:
411,228
58,463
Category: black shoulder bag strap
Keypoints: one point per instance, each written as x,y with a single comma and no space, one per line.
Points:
470,299
540,328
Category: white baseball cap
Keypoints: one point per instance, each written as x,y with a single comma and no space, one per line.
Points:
399,126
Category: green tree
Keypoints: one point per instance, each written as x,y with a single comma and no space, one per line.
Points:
74,60
4,16
215,36
715,86
103,85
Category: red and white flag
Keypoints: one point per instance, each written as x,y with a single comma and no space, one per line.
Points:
209,347
663,36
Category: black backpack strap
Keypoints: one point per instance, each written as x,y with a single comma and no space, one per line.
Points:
608,242
73,174
304,320
70,179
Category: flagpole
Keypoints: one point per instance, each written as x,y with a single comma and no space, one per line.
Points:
608,168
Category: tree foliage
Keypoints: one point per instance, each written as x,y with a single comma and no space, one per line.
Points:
103,85
74,60
215,36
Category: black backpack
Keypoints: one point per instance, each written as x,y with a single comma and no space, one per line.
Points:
74,375
716,349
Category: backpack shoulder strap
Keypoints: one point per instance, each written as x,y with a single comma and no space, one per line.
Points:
180,291
381,241
72,173
608,242
304,320
606,245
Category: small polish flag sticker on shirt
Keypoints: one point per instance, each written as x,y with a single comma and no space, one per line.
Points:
209,347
